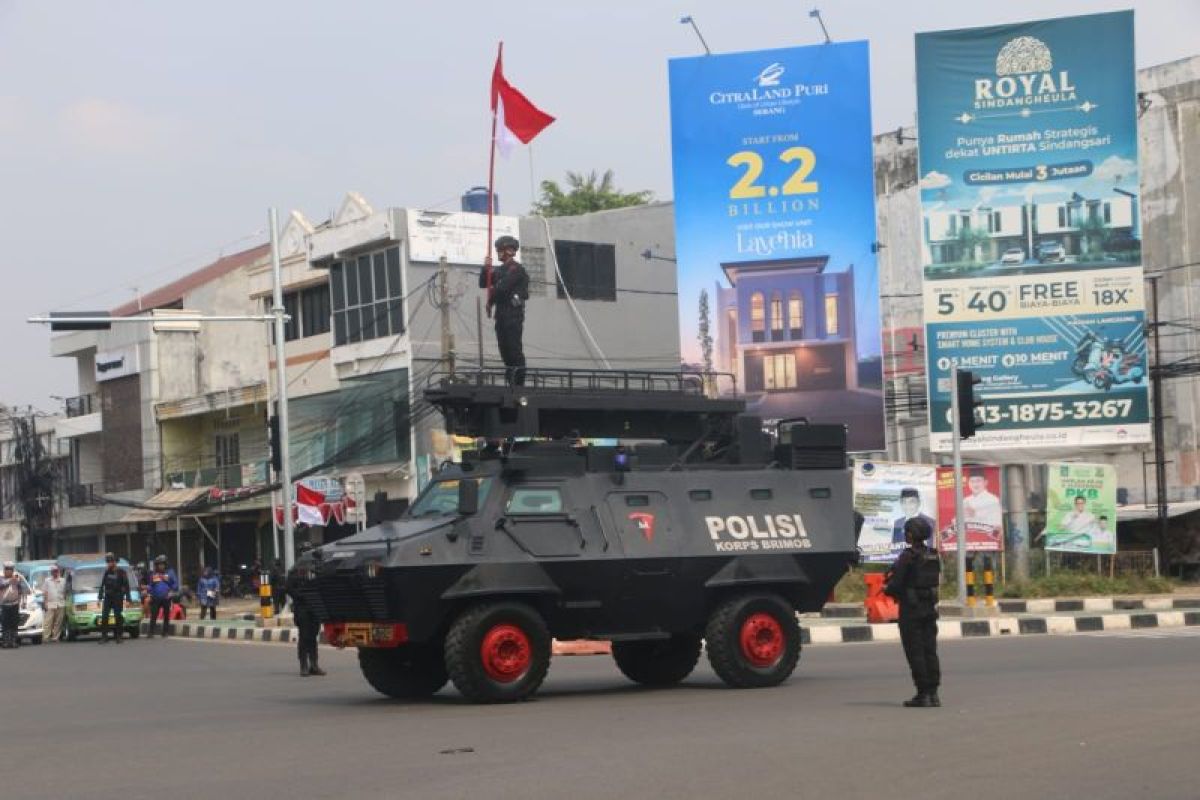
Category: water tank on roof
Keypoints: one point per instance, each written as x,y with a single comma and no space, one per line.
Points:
475,200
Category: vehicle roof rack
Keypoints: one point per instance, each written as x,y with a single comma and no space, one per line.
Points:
585,403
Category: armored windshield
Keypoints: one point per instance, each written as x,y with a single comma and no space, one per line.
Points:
441,497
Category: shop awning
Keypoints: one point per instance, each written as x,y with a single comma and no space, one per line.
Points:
167,504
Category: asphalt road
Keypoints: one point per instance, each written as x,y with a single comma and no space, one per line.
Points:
1032,717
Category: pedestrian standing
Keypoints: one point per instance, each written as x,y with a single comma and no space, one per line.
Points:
12,590
164,586
114,594
208,590
54,601
278,586
508,289
913,581
306,619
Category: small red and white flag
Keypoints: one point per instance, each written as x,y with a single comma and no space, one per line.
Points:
517,119
308,506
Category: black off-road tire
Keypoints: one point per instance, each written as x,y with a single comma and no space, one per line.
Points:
728,656
662,662
518,625
407,672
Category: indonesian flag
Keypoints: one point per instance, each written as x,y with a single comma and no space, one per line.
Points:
308,506
517,119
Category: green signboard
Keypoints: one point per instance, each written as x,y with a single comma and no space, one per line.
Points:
1081,508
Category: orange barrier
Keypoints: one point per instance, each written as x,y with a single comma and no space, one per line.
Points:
880,607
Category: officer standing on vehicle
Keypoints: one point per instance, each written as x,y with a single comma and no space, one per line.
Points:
913,581
12,589
163,586
114,594
306,620
508,289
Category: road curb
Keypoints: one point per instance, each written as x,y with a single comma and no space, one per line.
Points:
848,633
1005,626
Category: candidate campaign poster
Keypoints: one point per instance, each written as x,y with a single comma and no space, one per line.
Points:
774,232
1031,242
888,495
1081,508
983,513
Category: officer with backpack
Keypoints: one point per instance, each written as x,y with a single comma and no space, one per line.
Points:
913,581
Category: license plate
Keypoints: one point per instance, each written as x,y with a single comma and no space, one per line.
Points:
357,633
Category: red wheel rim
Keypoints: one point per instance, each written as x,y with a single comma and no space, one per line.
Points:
506,653
762,640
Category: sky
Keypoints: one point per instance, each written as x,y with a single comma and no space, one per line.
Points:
141,139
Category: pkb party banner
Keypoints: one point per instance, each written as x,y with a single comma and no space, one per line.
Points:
774,231
1031,230
1081,508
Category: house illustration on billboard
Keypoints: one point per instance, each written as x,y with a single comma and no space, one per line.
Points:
786,326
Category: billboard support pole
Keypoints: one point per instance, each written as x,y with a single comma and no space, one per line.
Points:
960,529
1018,519
1160,456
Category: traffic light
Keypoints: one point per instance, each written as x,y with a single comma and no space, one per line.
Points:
968,401
276,452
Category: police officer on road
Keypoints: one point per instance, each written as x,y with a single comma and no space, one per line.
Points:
306,619
508,289
913,581
114,594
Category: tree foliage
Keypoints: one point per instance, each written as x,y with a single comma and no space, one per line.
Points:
586,193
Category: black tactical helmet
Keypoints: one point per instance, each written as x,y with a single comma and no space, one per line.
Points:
508,241
917,529
110,557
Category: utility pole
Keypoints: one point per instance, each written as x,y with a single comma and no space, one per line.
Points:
1018,518
443,304
1160,454
960,528
285,465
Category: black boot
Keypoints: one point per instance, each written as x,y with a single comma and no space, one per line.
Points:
919,700
934,700
305,670
314,669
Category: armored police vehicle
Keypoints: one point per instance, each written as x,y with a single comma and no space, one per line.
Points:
695,526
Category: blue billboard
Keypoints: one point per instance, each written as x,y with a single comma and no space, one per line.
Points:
775,231
1031,229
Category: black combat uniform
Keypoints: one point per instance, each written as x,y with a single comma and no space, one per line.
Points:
307,625
510,290
913,581
113,594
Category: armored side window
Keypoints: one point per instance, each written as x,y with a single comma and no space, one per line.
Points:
700,495
637,500
760,494
535,500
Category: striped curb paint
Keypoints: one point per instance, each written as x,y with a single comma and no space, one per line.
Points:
812,634
1051,606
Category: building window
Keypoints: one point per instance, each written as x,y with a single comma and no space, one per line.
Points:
314,310
779,371
758,321
796,315
831,314
366,295
1062,216
587,270
1107,213
776,317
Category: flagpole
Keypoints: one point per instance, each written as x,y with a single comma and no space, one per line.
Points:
491,179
